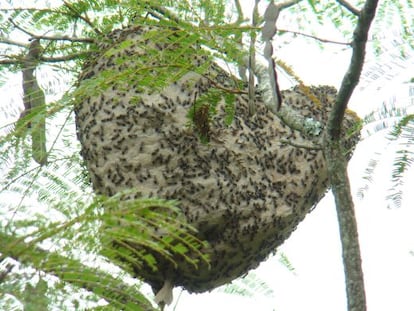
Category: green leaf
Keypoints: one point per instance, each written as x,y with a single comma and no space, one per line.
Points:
35,297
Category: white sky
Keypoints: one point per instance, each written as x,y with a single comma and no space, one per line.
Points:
387,235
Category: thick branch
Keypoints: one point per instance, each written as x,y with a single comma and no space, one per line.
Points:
353,74
298,122
10,61
12,42
109,287
65,38
337,165
351,255
349,7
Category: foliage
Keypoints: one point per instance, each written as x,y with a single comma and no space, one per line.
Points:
249,286
397,123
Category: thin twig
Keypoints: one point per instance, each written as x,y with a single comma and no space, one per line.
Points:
80,16
225,89
57,11
64,38
239,10
314,37
44,37
32,35
64,58
44,59
349,7
3,274
164,12
17,9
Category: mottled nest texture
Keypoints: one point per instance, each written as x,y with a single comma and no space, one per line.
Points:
245,186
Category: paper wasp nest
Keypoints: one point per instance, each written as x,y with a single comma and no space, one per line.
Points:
245,190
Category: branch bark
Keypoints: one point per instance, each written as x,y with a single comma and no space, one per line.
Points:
337,164
34,102
349,7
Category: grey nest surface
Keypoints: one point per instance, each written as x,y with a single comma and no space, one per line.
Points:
245,185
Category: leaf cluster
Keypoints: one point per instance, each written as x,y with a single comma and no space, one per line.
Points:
399,126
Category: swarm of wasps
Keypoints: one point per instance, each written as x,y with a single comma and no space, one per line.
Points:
243,185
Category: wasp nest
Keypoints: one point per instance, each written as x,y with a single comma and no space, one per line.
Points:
245,187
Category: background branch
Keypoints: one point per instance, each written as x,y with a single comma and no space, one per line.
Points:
44,37
32,35
44,59
314,37
12,42
10,61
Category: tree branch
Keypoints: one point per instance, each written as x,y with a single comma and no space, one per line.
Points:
287,4
65,38
349,7
10,61
80,16
31,35
314,37
44,37
12,42
109,287
64,58
337,165
164,12
239,10
17,59
353,74
44,59
252,60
